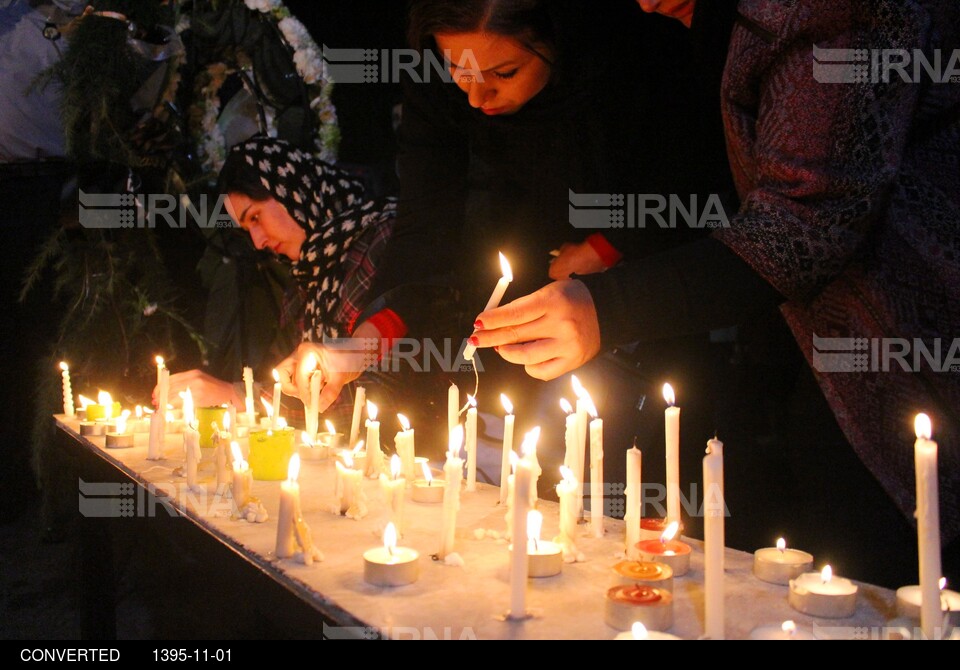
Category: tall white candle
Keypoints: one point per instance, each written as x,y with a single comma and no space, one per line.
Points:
158,430
569,435
404,443
359,403
248,397
581,455
286,545
191,441
512,459
672,433
529,450
312,417
518,552
275,425
68,408
160,367
596,470
163,392
928,527
508,422
568,492
495,298
242,479
223,438
393,486
634,501
375,463
714,541
453,407
471,444
453,472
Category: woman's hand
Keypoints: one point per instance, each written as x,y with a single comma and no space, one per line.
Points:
550,332
207,391
581,259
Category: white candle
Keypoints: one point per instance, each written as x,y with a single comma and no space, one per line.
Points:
569,435
163,390
639,632
160,368
391,565
191,441
359,402
567,491
513,459
404,443
453,407
427,490
778,565
248,398
374,454
453,472
158,430
275,414
242,479
634,503
928,527
823,595
508,422
544,559
393,487
581,454
518,552
529,450
672,433
596,469
68,408
350,487
121,437
471,444
312,417
495,298
714,541
289,510
223,438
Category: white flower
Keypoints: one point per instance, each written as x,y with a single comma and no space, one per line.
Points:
263,5
294,32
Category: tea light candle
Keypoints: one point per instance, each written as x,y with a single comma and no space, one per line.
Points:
788,630
631,518
823,595
93,428
359,403
428,490
308,449
394,488
672,439
330,439
286,545
374,455
242,479
350,487
121,437
645,573
628,604
391,565
508,422
910,599
453,472
84,403
674,553
471,444
68,408
544,559
404,443
778,565
639,632
495,298
139,423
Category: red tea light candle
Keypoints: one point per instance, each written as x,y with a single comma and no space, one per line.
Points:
674,553
428,490
629,604
788,630
643,573
639,632
120,437
823,595
391,565
910,601
778,565
652,528
544,559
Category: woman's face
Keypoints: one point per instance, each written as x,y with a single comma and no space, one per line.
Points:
270,225
497,73
682,10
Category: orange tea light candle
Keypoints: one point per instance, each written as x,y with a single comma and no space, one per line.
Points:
674,553
645,573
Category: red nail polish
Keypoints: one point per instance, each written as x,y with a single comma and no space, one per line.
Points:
474,342
478,324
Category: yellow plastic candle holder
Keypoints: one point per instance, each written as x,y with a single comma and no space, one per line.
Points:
205,418
270,452
95,412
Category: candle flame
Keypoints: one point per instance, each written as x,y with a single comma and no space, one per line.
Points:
534,526
84,401
168,416
390,538
427,475
577,386
942,583
567,475
529,445
360,447
306,439
310,362
159,361
395,466
371,411
456,441
276,376
781,544
347,458
639,631
566,406
670,532
237,456
669,396
122,421
591,408
789,627
293,470
226,422
139,411
507,405
505,269
281,423
330,427
826,574
404,422
64,366
188,407
267,407
104,398
923,426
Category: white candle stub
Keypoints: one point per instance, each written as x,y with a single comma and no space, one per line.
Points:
428,490
823,595
910,599
778,565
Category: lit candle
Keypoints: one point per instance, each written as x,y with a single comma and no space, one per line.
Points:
223,438
581,453
647,573
158,430
544,559
672,433
163,386
569,436
104,409
68,408
139,424
508,422
393,492
275,414
359,403
453,471
471,444
639,632
404,443
331,438
596,468
191,441
427,490
714,543
374,453
518,551
84,403
788,630
242,480
628,604
453,407
909,603
160,368
495,298
312,408
634,501
120,437
928,527
391,565
250,414
289,505
778,565
824,595
513,459
529,450
667,550
568,492
350,487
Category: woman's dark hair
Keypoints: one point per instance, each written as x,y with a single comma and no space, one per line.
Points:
533,23
238,176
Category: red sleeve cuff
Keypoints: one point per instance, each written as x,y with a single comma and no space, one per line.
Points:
609,255
390,325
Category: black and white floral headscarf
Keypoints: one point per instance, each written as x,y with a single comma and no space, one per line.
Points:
346,232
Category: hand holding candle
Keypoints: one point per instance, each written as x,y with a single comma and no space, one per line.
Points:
494,301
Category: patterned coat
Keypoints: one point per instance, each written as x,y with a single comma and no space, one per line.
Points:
851,209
